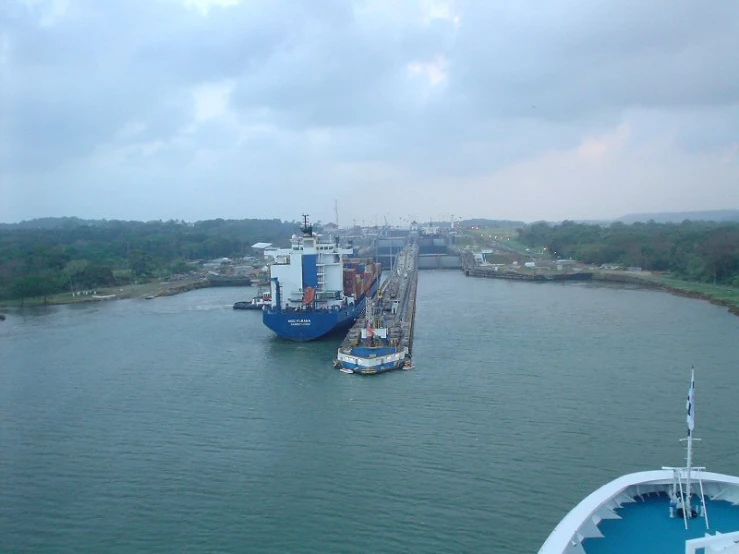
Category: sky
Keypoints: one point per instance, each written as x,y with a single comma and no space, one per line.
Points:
397,109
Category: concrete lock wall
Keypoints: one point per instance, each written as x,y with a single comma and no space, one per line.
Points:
439,261
396,244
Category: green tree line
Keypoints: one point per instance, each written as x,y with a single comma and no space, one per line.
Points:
702,251
75,254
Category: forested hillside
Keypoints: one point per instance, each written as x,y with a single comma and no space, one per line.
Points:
67,253
694,250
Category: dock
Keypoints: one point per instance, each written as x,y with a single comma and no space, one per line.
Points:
554,271
382,339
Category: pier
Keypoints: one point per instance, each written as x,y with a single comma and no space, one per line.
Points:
382,339
557,270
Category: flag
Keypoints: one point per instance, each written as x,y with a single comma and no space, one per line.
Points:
690,406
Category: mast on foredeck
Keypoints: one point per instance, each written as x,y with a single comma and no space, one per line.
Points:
684,496
690,407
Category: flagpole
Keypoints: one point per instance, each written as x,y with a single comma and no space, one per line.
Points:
691,425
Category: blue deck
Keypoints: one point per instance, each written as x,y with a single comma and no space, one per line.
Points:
646,528
368,352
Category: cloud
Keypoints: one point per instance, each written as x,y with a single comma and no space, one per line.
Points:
45,13
211,100
204,6
542,109
435,72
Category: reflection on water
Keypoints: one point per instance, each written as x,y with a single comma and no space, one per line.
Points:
180,424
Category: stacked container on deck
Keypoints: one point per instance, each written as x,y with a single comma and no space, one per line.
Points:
358,278
349,279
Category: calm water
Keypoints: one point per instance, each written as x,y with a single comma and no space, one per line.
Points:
181,425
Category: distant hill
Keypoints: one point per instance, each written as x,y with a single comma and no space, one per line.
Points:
677,217
482,222
49,223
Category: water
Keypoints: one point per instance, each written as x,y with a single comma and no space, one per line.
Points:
181,425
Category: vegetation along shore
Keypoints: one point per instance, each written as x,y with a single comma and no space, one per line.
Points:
715,294
696,259
63,260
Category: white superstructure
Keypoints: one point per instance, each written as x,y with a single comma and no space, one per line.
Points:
309,262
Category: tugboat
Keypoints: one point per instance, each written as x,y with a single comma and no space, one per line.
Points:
257,303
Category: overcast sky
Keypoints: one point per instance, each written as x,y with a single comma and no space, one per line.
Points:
516,109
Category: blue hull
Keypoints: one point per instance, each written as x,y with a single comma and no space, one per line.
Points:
303,326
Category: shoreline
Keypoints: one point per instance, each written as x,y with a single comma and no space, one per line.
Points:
655,283
718,295
126,292
155,290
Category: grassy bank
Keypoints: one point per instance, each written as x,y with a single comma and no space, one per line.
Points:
721,295
139,290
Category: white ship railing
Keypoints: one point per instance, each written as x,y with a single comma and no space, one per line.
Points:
724,543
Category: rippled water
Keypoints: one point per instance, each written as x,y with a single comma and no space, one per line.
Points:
181,425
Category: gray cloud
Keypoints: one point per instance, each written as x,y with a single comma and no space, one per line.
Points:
203,113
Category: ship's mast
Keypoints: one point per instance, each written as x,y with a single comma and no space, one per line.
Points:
307,228
369,314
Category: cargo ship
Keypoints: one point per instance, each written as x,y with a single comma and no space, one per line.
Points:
316,288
